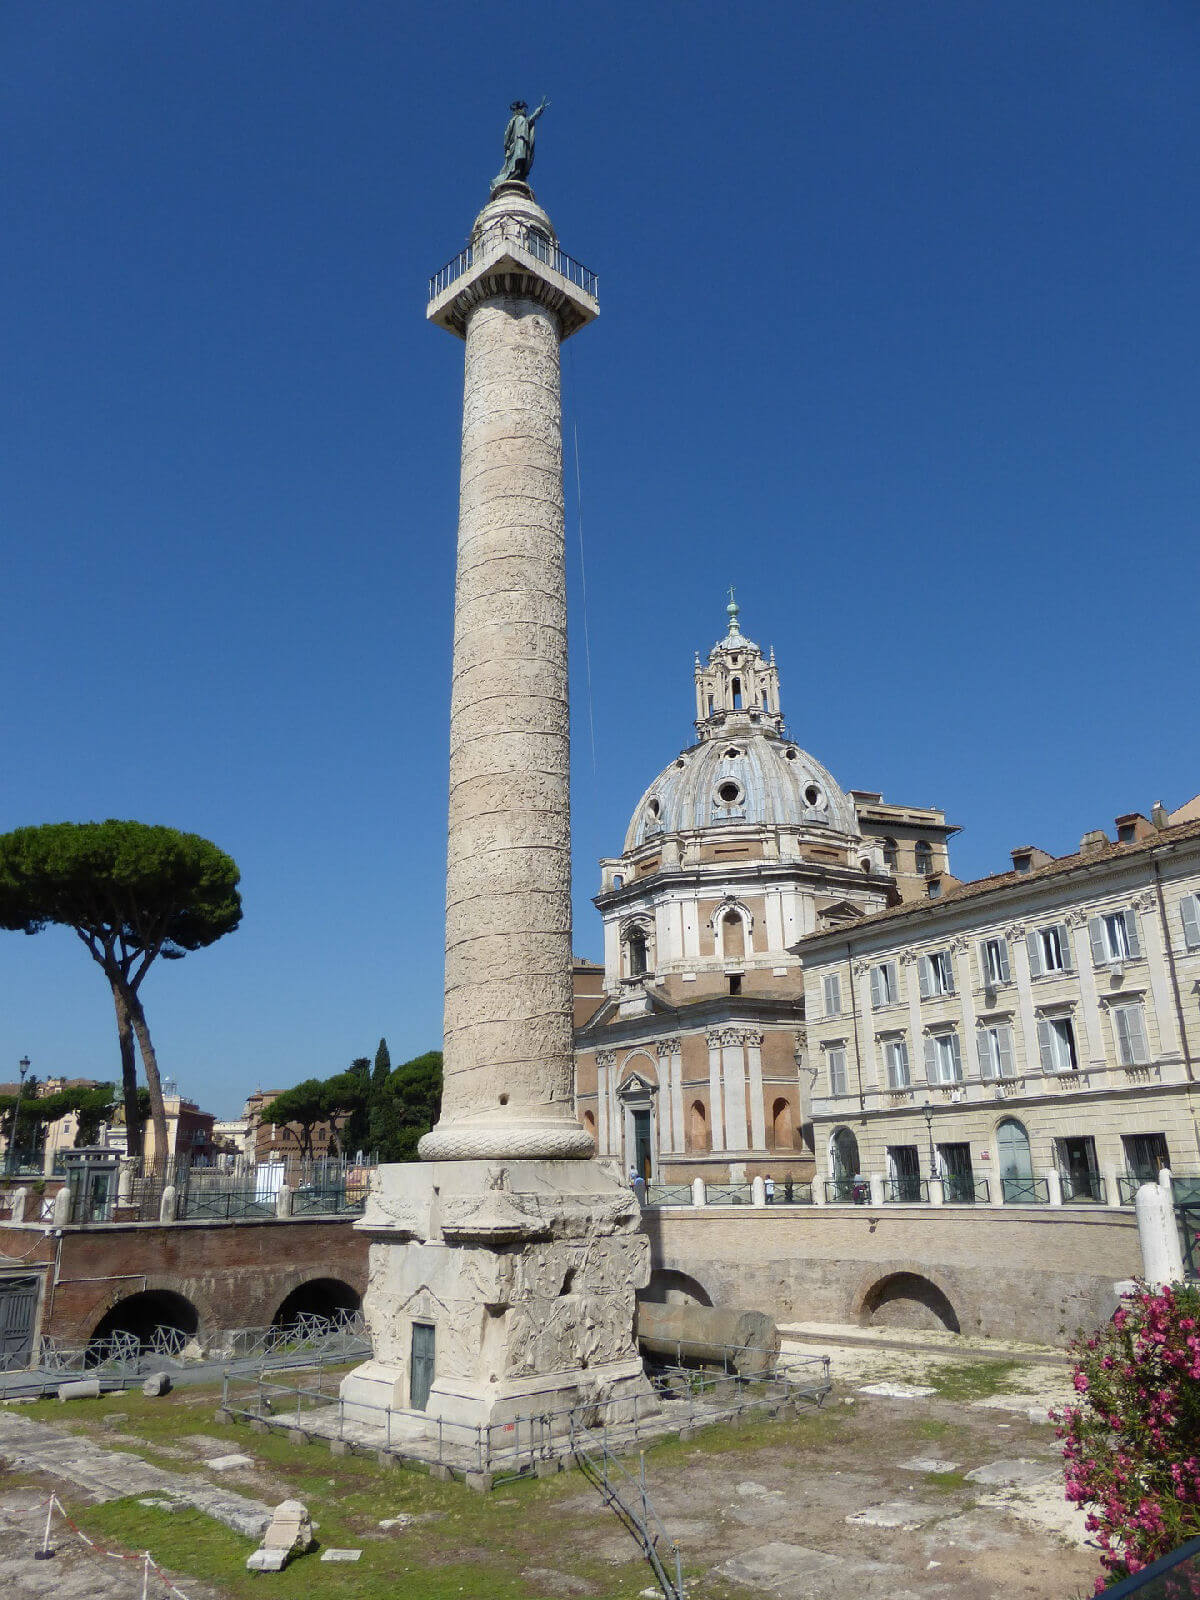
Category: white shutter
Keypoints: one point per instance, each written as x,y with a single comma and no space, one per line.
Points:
926,976
1046,1046
931,1059
1131,933
1002,952
946,961
1137,1036
985,972
984,1052
1121,1027
1096,935
956,1053
876,988
1034,941
902,1055
1064,944
1189,910
1004,1040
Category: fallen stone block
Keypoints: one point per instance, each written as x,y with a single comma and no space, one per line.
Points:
479,1480
231,1463
80,1389
340,1555
157,1384
267,1560
289,1534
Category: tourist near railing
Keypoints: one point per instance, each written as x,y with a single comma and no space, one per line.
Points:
847,1192
538,245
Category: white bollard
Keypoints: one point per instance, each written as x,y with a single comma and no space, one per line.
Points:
1053,1186
758,1192
1158,1235
166,1207
699,1192
17,1200
937,1192
877,1189
283,1201
61,1215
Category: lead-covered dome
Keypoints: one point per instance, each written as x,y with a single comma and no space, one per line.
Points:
749,777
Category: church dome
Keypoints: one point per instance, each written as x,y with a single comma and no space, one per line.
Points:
749,777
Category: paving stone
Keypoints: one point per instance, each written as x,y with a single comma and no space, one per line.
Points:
228,1463
340,1555
751,1488
1013,1473
927,1464
907,1515
897,1391
797,1572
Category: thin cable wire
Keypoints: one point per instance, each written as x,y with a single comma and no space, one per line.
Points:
587,643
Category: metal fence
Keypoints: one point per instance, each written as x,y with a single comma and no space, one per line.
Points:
962,1189
1025,1191
1086,1188
538,244
847,1191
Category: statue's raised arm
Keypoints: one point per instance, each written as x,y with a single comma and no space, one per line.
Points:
518,143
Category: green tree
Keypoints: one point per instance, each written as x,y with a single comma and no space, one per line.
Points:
304,1105
130,892
345,1097
409,1107
383,1065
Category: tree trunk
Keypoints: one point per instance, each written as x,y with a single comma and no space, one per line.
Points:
158,1115
129,1081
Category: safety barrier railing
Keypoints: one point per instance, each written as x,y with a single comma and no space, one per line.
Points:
730,1194
661,1194
538,244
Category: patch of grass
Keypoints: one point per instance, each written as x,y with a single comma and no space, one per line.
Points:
945,1480
973,1380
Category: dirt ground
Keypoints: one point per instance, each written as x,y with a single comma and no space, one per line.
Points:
943,1482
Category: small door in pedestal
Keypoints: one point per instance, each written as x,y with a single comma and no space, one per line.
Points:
420,1370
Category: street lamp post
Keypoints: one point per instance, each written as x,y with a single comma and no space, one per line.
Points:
22,1068
927,1108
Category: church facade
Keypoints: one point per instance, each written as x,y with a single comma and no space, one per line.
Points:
690,1051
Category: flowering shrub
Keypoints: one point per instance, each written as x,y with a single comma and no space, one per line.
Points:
1131,1444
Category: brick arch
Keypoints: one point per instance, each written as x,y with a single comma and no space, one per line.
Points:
930,1295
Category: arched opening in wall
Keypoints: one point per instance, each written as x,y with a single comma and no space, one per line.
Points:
589,1123
317,1305
782,1129
891,855
636,952
667,1287
698,1134
733,936
924,858
737,694
1015,1164
907,1300
843,1154
157,1321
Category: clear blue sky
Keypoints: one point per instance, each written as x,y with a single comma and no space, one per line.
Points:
899,334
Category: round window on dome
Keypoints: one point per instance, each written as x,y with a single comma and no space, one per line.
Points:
729,793
813,796
653,807
790,754
681,762
732,753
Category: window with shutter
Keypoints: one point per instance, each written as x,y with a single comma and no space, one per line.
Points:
837,1071
931,1065
1033,943
1056,1040
833,995
993,961
895,1055
1130,1028
1189,911
926,980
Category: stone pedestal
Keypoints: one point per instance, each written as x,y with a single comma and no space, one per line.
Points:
527,1273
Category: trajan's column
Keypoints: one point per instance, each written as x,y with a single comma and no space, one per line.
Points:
504,1265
